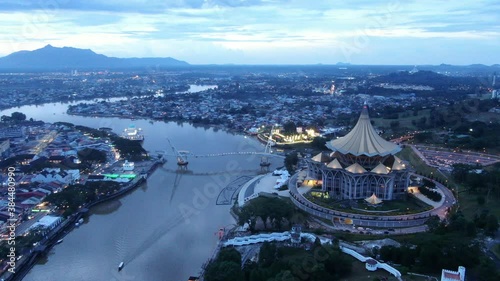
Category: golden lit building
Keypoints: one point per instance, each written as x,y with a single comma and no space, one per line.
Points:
361,164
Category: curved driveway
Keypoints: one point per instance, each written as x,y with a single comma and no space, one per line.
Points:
371,220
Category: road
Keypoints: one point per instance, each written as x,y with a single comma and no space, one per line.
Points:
24,226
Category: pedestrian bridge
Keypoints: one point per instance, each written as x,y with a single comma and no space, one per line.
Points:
236,153
225,154
378,264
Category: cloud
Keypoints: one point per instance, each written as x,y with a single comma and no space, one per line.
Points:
246,29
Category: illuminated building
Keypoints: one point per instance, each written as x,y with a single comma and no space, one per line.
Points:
361,164
133,133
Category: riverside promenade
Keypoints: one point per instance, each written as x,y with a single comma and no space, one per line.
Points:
262,185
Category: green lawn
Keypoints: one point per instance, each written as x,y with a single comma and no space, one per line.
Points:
470,207
418,164
483,117
359,273
410,206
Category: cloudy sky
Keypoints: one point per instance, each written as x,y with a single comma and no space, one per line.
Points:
261,31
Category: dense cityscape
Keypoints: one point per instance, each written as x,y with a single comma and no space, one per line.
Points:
249,140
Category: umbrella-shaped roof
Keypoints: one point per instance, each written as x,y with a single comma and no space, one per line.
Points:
381,169
363,140
374,200
335,164
356,169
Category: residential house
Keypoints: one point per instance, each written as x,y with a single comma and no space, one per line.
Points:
52,175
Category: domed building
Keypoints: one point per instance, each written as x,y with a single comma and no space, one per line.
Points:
360,165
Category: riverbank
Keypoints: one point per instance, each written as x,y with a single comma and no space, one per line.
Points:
50,240
123,226
221,127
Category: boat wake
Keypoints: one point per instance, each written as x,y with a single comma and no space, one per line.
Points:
153,237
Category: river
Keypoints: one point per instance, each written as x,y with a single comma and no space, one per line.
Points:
164,230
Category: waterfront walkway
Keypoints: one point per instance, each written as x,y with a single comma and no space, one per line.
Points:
263,184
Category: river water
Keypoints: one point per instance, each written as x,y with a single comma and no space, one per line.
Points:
164,230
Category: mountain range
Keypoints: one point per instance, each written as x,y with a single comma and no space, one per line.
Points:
65,58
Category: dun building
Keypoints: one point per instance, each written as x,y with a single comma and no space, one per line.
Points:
361,164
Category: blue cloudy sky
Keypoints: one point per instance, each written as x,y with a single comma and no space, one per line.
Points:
261,31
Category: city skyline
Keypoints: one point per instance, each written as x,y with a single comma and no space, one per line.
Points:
261,31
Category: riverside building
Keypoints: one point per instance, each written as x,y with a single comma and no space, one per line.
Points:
360,164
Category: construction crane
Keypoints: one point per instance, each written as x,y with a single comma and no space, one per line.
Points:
181,155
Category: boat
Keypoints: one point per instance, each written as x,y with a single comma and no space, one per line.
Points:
133,133
120,266
59,241
80,221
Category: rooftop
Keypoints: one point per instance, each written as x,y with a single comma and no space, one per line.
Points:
363,140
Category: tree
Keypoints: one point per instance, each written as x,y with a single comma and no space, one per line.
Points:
423,136
289,128
230,254
421,124
223,271
337,264
291,161
18,116
433,223
276,209
481,200
491,225
460,171
487,271
319,143
267,255
92,155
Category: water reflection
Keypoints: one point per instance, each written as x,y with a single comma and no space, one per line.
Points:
106,207
164,229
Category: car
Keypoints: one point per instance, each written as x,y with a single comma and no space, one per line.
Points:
386,232
391,229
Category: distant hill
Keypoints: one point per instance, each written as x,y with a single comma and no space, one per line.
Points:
443,84
418,78
65,58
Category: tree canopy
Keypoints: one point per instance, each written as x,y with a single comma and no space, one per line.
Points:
274,209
